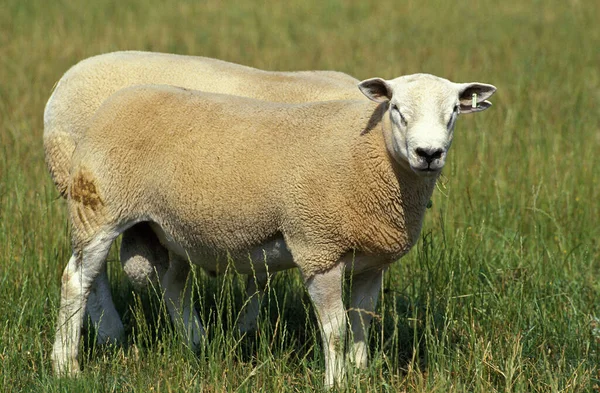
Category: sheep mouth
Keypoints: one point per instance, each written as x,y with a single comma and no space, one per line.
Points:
427,171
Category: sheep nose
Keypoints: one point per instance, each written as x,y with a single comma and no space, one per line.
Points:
429,154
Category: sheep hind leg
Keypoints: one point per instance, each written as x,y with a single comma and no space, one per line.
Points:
325,290
102,312
364,289
177,294
144,260
255,292
78,277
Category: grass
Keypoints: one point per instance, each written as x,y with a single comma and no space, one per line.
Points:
500,294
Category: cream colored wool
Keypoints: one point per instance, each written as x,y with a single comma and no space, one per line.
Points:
222,174
85,86
344,184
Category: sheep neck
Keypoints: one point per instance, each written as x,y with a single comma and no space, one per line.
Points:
393,198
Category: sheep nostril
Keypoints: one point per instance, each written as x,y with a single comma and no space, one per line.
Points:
429,154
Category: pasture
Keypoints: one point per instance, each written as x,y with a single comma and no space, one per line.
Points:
499,295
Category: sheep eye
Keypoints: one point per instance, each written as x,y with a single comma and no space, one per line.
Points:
455,113
402,119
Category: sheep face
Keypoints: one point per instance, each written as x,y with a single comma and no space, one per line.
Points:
422,111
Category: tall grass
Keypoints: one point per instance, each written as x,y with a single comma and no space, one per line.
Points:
500,294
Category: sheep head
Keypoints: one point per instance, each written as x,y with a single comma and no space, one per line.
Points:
422,111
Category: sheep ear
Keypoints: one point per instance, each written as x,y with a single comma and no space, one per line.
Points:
376,89
483,91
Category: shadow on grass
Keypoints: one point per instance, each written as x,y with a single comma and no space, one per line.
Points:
287,326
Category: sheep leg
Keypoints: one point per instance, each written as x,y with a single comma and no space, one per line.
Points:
102,311
177,293
325,290
77,280
364,295
255,291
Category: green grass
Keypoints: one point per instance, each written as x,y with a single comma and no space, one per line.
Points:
500,294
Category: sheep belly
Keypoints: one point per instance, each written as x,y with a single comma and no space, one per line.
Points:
270,256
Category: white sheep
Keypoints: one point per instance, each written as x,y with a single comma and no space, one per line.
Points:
86,85
331,188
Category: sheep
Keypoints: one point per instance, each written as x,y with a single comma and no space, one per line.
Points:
92,80
332,188
85,86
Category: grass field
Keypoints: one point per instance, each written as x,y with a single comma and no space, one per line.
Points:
501,293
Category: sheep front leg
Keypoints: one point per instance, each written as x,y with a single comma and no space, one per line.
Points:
177,293
364,295
325,290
